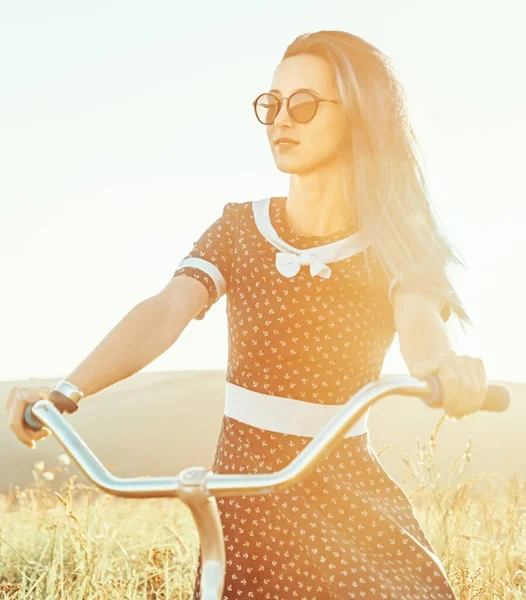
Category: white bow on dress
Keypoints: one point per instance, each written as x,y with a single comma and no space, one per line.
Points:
289,264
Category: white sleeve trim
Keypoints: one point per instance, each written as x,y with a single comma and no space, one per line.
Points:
209,269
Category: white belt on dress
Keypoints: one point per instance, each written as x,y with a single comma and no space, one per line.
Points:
283,415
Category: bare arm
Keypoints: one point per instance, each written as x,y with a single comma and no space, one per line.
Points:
421,330
146,332
427,350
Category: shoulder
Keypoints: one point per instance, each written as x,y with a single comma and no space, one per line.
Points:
243,210
376,274
236,217
248,204
238,207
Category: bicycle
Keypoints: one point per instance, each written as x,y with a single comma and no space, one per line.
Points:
198,487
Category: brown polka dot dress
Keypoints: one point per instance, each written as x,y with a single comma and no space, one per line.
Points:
317,332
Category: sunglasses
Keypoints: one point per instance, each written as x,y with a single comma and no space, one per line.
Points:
301,106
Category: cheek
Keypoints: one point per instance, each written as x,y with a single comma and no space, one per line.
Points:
327,137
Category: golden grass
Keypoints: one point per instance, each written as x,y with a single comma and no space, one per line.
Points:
82,544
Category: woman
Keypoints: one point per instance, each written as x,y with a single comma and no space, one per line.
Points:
317,284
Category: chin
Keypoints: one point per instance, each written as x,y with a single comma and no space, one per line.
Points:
294,167
289,169
290,164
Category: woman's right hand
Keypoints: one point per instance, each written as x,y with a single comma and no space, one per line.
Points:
15,404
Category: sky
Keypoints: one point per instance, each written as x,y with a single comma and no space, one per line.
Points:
126,126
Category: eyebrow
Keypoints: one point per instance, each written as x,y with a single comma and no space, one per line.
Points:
298,90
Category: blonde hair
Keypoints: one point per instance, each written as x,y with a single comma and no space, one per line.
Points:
384,175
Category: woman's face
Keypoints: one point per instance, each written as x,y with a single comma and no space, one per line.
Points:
321,140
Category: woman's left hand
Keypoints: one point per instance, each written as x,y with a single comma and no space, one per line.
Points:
462,378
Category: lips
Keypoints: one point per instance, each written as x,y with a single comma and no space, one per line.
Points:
285,139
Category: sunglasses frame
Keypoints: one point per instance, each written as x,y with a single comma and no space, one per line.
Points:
316,99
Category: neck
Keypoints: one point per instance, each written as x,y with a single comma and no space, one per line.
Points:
316,204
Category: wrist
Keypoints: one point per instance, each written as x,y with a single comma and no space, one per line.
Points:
69,389
66,396
443,354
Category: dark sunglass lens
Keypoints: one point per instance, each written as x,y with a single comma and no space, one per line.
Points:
302,107
266,108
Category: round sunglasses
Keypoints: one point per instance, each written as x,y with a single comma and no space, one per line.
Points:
301,106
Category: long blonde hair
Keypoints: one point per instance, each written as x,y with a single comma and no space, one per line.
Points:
384,174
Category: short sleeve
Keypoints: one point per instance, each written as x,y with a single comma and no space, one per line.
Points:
210,259
413,287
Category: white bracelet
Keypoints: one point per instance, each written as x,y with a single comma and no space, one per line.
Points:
69,390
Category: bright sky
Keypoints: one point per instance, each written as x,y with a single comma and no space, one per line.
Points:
126,127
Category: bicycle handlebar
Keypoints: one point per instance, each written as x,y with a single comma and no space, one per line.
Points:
497,400
197,486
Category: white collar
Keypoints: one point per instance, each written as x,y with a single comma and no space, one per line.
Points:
290,259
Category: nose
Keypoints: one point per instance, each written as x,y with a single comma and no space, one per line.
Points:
283,115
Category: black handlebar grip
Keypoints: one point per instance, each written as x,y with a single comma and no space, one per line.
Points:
61,402
497,397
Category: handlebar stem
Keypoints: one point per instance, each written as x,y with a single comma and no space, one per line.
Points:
194,493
